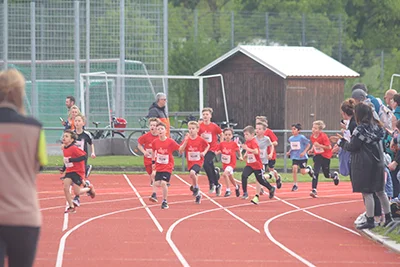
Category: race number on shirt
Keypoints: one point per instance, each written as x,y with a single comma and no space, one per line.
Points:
295,145
207,137
150,151
67,163
226,159
193,156
318,150
162,159
251,158
263,153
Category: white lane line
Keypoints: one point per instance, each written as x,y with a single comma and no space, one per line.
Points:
65,222
61,246
290,252
225,209
159,227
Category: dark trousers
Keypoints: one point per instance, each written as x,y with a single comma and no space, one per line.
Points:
324,163
247,171
209,167
395,181
19,245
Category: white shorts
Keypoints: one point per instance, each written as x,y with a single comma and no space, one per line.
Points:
229,169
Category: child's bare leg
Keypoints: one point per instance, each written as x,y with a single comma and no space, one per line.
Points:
225,175
164,189
233,181
294,172
78,190
152,175
67,184
193,176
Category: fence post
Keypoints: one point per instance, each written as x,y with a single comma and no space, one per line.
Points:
340,38
285,151
303,30
34,91
87,102
266,28
382,70
76,50
196,29
120,108
5,34
232,29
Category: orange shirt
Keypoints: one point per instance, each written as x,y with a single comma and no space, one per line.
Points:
322,139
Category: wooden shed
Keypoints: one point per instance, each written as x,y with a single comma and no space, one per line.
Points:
287,84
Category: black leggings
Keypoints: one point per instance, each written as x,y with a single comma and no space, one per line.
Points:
19,244
209,167
247,171
324,163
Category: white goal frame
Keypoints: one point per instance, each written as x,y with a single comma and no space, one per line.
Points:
86,77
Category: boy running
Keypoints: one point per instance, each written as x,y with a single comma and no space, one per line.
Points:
228,150
195,148
322,149
74,166
163,161
299,145
209,131
145,146
265,144
83,139
253,164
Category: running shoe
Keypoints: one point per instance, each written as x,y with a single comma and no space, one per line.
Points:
237,191
336,178
218,190
272,192
227,193
153,198
198,199
70,210
279,181
314,193
245,196
310,171
295,188
76,201
255,200
164,205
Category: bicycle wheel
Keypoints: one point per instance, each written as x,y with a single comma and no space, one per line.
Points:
118,135
132,143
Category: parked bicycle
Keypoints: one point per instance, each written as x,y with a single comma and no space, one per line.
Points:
105,133
132,141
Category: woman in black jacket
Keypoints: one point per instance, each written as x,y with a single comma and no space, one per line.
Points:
367,163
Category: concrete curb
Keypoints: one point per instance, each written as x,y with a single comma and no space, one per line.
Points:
387,242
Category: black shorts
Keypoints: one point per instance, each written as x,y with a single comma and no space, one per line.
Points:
162,176
271,163
196,168
76,178
302,163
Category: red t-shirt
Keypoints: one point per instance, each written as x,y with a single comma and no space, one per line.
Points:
253,160
146,141
193,149
322,139
273,138
209,133
163,154
73,151
228,153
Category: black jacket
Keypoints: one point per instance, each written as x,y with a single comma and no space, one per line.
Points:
367,161
157,112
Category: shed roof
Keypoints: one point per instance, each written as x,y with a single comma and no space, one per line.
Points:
289,61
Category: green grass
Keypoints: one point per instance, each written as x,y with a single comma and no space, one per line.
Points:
392,235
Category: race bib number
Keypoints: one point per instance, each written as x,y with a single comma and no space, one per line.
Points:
162,159
150,151
263,153
318,150
68,164
226,159
207,137
295,145
194,156
251,158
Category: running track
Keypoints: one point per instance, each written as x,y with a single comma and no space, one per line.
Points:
118,229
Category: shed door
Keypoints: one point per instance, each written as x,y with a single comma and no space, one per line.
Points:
300,106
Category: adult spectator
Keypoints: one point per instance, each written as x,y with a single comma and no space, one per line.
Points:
389,97
157,110
396,106
69,102
22,154
373,100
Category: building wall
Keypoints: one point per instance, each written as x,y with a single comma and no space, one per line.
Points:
251,90
308,100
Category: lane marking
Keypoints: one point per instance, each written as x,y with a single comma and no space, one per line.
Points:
290,252
153,218
65,222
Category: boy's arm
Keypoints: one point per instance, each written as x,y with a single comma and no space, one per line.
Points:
206,150
93,153
271,154
183,146
77,159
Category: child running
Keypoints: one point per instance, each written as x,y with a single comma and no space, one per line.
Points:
209,131
195,148
228,150
322,149
74,166
83,139
271,149
265,143
145,146
253,165
299,145
163,161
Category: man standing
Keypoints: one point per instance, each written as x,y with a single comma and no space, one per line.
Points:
69,102
157,110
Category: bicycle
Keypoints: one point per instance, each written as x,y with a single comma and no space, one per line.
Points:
132,141
105,133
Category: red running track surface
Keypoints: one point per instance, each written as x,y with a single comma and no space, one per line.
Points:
115,229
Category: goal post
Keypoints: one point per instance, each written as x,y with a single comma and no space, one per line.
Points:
134,100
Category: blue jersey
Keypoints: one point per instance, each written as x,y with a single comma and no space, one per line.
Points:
298,144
